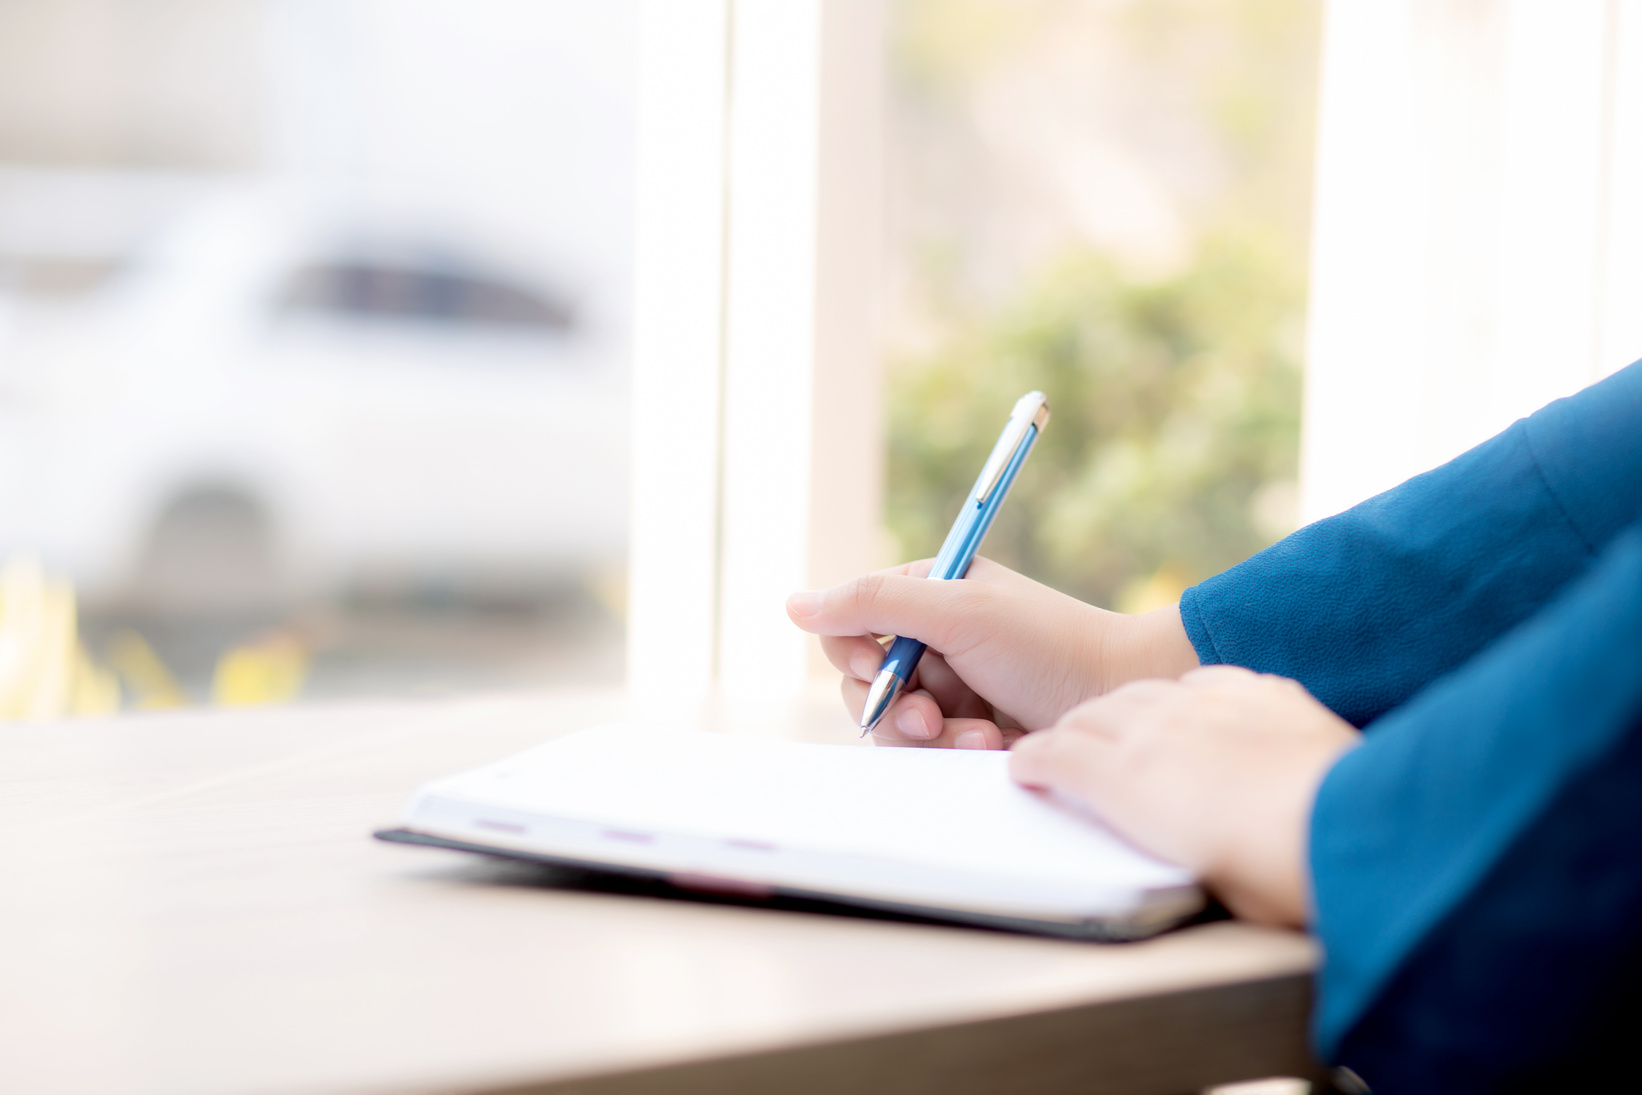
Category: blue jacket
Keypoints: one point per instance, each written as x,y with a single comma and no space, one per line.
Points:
1477,860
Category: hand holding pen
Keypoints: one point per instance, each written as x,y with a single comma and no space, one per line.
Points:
1005,653
975,517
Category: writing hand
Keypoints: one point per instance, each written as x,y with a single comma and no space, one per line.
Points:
1006,654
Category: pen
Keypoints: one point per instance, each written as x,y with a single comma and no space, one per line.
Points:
1020,433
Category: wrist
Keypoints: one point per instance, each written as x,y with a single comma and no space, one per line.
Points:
1147,646
1263,868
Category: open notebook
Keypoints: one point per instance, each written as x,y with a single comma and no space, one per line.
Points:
932,832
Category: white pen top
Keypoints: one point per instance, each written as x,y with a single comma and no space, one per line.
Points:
1031,409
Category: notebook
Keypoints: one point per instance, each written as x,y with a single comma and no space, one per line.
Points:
933,833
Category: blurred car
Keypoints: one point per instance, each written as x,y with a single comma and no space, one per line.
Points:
259,395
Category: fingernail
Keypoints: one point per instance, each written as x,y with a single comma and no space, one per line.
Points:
911,723
864,666
971,739
806,603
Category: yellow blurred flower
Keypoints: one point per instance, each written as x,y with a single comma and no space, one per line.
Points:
270,670
45,672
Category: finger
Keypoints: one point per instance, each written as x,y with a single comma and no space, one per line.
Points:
950,616
991,573
914,716
1219,675
1062,760
955,734
956,698
981,569
827,611
1127,700
1115,714
971,734
858,656
918,568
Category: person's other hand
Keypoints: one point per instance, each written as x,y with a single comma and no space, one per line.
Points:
1006,654
1216,771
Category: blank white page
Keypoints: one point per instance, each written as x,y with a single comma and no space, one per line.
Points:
956,812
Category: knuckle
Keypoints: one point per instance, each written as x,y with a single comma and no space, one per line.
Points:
1082,715
1295,687
1211,674
1143,693
864,590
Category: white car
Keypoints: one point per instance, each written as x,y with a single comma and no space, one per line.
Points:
266,396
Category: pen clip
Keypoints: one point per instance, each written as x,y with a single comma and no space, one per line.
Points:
1032,409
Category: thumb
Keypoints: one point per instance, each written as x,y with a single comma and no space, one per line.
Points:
947,615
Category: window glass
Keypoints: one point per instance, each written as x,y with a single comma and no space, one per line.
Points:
1108,201
313,347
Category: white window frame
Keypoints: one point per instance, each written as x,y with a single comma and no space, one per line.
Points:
1477,240
757,420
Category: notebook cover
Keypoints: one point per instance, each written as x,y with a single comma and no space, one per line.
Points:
668,884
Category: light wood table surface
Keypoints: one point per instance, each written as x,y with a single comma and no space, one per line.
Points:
190,904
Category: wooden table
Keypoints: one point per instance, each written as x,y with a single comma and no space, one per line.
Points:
190,903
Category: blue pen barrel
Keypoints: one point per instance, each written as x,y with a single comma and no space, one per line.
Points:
982,505
972,524
959,552
903,657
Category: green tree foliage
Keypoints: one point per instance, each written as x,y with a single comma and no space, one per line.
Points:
1174,441
1175,421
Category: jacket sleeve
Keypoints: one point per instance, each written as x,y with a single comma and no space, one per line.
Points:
1476,882
1367,607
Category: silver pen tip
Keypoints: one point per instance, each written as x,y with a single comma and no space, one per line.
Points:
879,697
